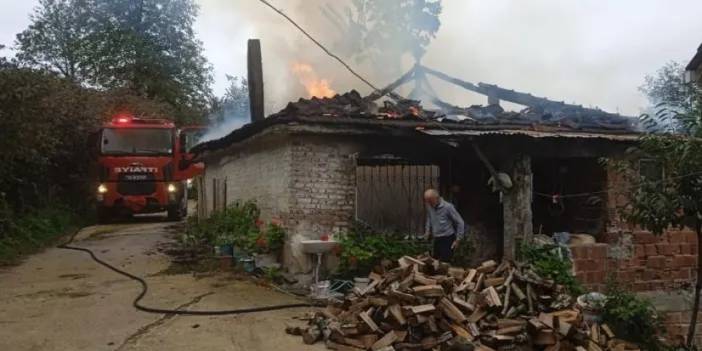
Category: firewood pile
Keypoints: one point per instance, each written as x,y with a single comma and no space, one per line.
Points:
422,304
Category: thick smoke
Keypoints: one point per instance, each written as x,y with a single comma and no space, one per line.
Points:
284,46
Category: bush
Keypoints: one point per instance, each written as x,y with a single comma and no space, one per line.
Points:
237,225
632,318
33,231
549,264
361,249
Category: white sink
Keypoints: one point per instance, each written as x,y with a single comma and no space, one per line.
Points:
317,246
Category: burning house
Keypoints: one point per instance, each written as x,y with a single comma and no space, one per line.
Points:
318,165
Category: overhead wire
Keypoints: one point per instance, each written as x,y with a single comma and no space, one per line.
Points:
321,46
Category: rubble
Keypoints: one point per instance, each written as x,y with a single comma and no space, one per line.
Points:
422,304
353,105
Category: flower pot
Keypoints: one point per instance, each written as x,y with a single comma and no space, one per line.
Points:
226,250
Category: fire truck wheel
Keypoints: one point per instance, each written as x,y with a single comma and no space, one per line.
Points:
175,213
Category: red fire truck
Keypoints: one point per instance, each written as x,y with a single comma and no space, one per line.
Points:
144,167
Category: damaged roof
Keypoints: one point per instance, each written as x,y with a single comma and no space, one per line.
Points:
353,110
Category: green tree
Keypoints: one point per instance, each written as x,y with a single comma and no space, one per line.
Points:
45,121
672,198
668,93
55,39
147,47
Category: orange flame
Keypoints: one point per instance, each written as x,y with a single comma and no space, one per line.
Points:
312,83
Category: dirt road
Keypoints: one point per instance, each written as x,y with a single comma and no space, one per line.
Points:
62,300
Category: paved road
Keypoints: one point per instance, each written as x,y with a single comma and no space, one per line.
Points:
62,300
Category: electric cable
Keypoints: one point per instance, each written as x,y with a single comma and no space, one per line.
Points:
145,288
334,56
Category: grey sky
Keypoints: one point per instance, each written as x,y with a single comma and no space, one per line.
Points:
594,52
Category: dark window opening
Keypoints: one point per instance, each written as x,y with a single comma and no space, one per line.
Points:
569,196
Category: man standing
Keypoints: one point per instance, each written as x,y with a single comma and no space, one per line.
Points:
444,224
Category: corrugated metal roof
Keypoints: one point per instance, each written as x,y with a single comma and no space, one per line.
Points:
533,134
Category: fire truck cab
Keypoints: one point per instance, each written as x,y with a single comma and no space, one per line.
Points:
143,167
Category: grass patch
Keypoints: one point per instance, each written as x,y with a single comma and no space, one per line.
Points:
34,231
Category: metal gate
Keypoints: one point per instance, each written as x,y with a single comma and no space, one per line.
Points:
389,197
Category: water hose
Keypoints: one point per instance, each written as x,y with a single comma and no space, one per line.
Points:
145,288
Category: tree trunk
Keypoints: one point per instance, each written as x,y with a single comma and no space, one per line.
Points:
698,282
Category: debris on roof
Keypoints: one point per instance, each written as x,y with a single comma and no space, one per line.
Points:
353,105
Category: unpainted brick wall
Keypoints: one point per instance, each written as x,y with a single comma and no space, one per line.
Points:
322,188
307,182
652,265
635,258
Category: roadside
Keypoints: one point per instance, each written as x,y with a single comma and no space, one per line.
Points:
62,300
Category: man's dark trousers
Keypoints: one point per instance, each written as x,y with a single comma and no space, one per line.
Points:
442,248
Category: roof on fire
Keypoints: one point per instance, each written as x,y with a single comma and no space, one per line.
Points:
350,110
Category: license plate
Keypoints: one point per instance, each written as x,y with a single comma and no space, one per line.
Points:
135,177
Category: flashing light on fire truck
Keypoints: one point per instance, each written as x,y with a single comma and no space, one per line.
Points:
102,188
122,119
172,188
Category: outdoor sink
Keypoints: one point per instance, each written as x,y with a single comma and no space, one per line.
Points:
317,246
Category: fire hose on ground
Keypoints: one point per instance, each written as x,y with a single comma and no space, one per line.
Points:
145,288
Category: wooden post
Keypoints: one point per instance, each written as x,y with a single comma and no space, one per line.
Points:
255,68
516,205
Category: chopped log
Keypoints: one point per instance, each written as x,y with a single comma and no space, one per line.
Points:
505,303
422,309
409,298
421,279
378,301
429,290
463,304
473,329
494,281
462,332
592,346
518,292
311,335
492,297
477,315
374,276
516,329
607,331
385,341
368,340
451,311
530,298
487,266
545,337
396,313
431,323
479,282
456,272
368,321
506,323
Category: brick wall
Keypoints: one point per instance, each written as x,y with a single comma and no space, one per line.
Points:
661,268
323,187
639,261
307,182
